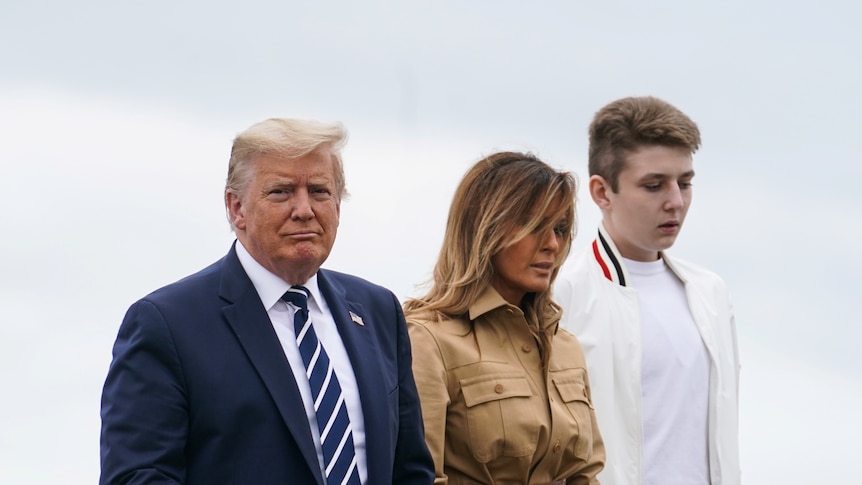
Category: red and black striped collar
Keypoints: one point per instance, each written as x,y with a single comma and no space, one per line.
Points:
609,259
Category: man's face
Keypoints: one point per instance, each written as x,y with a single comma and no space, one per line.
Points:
654,192
287,215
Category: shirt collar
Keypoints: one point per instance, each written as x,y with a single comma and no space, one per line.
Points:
270,287
490,300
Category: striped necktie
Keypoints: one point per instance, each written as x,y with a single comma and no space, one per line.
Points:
336,437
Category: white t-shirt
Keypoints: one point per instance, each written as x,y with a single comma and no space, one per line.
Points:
674,380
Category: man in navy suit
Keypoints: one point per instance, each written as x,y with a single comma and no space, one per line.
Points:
208,383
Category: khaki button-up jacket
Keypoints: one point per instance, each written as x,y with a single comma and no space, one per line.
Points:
492,414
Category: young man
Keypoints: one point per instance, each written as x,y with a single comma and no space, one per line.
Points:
658,333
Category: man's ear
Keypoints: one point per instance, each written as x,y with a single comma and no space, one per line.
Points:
233,202
600,191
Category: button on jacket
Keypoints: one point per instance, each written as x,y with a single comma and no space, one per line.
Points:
492,414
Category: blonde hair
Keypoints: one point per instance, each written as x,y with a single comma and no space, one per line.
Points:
290,138
501,199
628,123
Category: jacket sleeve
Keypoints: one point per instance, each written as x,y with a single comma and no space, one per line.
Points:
431,380
144,411
563,295
735,342
413,463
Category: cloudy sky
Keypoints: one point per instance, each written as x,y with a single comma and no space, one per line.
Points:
116,120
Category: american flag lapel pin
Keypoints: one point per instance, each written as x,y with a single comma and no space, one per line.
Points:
356,319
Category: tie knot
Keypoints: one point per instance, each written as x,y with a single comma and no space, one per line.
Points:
298,296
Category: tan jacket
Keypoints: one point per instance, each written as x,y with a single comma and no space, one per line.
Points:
492,414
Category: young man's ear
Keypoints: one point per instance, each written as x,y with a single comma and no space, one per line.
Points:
600,191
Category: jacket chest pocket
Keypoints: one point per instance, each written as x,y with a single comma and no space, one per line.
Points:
572,388
500,418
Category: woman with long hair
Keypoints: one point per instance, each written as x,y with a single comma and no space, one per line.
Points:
504,390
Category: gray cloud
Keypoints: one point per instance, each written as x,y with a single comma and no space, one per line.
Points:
116,122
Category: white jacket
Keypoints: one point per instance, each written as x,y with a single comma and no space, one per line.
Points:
603,314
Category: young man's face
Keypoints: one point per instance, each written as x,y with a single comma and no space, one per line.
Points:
653,194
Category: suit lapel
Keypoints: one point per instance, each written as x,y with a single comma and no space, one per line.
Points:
252,327
362,349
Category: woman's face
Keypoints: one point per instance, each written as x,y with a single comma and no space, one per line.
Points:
527,265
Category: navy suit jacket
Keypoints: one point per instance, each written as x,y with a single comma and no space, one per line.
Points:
199,391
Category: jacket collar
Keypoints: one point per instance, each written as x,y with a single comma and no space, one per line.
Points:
610,261
487,301
608,258
490,300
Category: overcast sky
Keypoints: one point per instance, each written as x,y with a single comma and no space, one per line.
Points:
115,129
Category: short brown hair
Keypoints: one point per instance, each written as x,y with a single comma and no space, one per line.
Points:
626,124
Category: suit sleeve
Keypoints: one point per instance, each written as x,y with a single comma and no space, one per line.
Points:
413,464
144,411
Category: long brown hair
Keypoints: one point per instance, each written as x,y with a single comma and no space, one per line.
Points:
500,200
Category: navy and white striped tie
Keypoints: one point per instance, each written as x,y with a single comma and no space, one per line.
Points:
336,436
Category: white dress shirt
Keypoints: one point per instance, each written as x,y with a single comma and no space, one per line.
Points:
270,289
